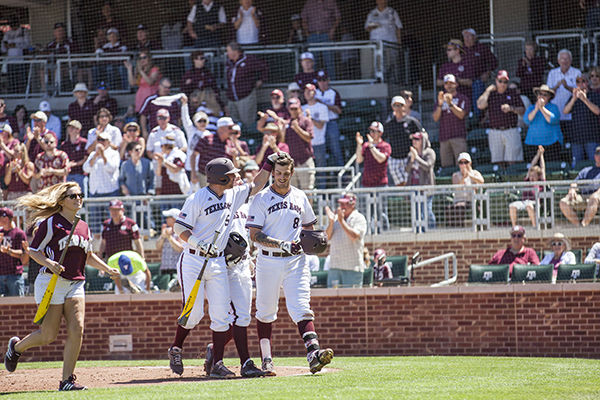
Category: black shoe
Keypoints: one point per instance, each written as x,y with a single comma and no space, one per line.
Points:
11,358
320,359
220,371
249,370
70,384
208,362
175,360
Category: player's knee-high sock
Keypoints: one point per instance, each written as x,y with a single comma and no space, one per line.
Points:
180,336
264,335
309,336
229,334
240,336
219,340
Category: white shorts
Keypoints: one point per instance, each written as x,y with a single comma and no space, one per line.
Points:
522,205
65,289
240,290
505,145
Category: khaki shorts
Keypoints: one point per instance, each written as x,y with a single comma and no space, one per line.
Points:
505,145
450,149
304,180
65,289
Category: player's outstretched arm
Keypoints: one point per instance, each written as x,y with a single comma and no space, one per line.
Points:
96,262
260,237
263,176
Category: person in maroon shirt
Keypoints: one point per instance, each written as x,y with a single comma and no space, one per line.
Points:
170,167
272,142
374,154
74,146
457,66
298,137
245,74
213,146
277,106
18,174
103,100
34,137
481,61
82,109
308,74
451,111
11,253
531,71
54,209
119,232
198,77
504,108
516,253
148,111
51,166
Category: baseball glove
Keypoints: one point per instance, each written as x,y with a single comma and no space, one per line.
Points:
313,242
235,249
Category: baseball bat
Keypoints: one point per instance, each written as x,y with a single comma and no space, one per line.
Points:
45,303
191,300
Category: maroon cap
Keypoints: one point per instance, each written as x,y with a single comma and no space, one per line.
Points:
502,74
349,198
517,229
6,212
379,253
116,204
277,92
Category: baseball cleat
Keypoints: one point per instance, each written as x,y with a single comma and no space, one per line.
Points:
268,367
208,362
249,370
175,361
11,358
320,359
220,371
70,384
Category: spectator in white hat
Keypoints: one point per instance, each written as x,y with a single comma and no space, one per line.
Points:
82,109
465,177
170,168
169,244
53,123
35,135
308,74
164,127
374,153
293,91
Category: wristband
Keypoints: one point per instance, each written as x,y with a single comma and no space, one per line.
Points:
268,166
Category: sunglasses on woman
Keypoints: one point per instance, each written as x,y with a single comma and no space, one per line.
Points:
74,196
557,243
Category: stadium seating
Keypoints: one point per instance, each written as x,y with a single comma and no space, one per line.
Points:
368,277
532,273
399,269
96,283
576,272
488,273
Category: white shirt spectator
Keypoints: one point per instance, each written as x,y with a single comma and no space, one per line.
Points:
115,136
388,21
104,178
15,41
212,118
54,125
566,258
345,253
157,134
562,95
248,31
192,15
313,262
193,134
329,97
318,112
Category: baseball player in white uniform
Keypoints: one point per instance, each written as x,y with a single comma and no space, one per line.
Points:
275,219
210,209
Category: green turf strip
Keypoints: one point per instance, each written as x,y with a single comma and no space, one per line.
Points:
373,378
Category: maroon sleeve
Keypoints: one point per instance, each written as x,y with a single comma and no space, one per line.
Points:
307,125
533,257
497,257
40,234
516,101
338,99
202,143
178,162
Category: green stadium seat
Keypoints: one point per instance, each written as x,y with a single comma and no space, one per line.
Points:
399,269
162,281
477,137
322,263
318,279
96,283
488,273
532,273
575,272
486,169
447,171
368,277
154,268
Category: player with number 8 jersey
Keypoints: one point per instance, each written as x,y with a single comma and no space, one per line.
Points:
276,217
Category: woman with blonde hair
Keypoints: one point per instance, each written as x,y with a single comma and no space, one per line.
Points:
18,174
560,253
53,209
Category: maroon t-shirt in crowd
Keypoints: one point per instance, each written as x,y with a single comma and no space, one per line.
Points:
282,148
119,236
532,75
300,150
243,74
450,125
304,78
498,118
76,152
460,70
505,256
51,239
211,147
480,58
84,114
198,78
375,173
12,239
149,110
169,186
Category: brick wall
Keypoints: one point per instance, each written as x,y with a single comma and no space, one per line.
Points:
534,320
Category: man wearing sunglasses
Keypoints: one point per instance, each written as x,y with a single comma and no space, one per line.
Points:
51,166
198,77
148,111
516,252
504,108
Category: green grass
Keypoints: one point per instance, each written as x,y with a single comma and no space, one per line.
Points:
375,378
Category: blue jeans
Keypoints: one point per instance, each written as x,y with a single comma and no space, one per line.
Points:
78,178
581,150
12,285
476,91
430,214
320,154
328,56
332,137
344,278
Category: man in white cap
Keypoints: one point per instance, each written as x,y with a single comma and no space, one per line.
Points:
35,135
397,133
164,127
450,111
480,59
293,90
82,109
308,74
53,123
214,146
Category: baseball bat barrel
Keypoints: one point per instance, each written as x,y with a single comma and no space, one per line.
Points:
191,300
45,303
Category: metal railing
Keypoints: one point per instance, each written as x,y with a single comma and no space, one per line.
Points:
444,257
23,77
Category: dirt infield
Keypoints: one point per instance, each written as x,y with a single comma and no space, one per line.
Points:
29,380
